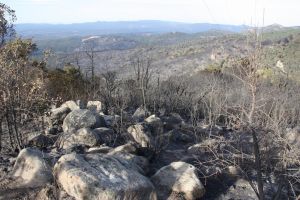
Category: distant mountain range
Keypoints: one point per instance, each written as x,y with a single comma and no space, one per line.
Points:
121,27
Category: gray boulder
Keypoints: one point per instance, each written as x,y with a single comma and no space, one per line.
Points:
178,178
83,136
82,118
98,176
33,167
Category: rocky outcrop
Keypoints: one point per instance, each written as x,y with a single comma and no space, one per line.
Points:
33,167
82,118
178,178
97,176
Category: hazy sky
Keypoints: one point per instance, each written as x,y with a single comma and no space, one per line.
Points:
285,12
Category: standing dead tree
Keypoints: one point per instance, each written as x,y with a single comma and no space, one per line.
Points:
142,76
90,50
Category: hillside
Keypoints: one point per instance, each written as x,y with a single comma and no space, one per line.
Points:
173,53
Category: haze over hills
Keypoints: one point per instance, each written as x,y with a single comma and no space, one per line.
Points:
120,27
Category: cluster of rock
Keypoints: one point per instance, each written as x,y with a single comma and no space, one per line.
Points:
82,156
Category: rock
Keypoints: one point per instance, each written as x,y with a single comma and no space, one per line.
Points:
155,125
111,120
47,193
53,130
72,105
34,167
173,121
57,116
205,146
233,171
126,148
83,136
98,176
140,114
94,106
240,190
177,136
166,157
106,135
82,119
82,104
40,141
141,133
101,149
179,178
293,136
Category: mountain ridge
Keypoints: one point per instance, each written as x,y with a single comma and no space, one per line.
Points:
120,27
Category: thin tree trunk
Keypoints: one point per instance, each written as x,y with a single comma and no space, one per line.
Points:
16,129
258,165
10,133
1,132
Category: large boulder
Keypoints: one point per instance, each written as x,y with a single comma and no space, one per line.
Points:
142,134
178,178
94,106
33,167
82,118
83,136
98,176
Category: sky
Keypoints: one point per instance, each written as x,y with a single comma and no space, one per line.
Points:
249,12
